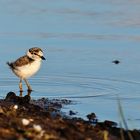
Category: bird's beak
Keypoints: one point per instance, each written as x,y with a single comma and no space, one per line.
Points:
43,58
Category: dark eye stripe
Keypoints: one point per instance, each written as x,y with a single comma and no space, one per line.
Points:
37,55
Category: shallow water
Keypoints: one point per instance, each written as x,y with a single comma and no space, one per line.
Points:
80,39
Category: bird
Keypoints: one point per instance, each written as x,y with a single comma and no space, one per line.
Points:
27,65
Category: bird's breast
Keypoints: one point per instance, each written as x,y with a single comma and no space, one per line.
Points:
28,70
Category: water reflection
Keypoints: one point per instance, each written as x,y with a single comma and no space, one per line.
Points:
28,93
64,86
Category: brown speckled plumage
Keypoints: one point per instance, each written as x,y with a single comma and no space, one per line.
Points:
24,60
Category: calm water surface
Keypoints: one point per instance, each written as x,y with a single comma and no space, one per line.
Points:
80,38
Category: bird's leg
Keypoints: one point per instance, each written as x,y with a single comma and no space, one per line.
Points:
29,92
20,95
28,85
20,85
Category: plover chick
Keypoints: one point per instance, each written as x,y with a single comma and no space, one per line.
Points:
27,65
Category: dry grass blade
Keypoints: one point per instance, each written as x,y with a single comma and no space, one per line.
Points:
121,132
121,114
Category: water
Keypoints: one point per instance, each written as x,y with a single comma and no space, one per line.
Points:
80,38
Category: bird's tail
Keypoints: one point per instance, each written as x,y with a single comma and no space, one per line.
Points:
10,65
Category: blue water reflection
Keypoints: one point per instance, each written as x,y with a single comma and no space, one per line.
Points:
80,38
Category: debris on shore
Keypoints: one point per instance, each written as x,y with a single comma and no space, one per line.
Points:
22,118
116,61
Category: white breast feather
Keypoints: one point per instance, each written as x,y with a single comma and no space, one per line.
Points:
28,70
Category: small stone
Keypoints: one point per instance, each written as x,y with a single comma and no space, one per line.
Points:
15,107
25,122
72,113
31,120
91,116
11,96
37,128
110,123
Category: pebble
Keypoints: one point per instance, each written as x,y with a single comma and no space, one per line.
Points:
15,107
37,128
25,122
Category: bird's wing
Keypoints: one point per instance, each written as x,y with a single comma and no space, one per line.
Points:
24,60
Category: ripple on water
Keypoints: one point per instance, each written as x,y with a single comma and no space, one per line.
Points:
75,87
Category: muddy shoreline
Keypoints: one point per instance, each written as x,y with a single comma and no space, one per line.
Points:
22,118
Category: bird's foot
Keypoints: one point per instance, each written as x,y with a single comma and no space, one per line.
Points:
29,92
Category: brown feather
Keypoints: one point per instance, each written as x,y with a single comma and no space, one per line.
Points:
22,61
